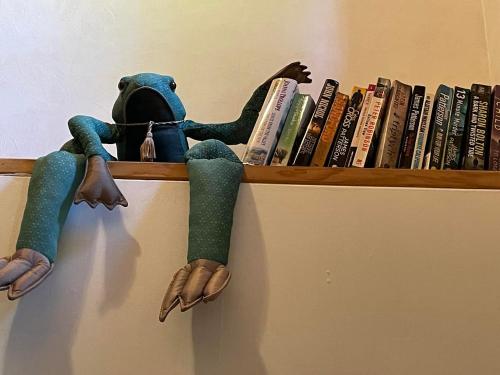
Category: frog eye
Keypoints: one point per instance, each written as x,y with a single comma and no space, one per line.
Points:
173,85
121,85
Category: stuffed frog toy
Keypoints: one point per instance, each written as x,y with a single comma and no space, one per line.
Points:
149,125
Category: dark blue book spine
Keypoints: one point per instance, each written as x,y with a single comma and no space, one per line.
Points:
456,131
440,121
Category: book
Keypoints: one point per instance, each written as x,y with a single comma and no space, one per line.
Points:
363,118
411,128
454,140
494,159
369,135
393,127
329,130
477,128
418,161
345,133
271,119
301,111
439,125
313,132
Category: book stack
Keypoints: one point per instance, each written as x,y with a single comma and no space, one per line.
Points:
383,125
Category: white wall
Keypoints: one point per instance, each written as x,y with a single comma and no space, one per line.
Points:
416,297
64,58
325,281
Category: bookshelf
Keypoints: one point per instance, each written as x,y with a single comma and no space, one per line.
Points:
436,179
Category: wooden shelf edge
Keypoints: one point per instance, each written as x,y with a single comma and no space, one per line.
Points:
298,175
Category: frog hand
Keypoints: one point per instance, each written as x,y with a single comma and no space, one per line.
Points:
200,280
98,186
295,71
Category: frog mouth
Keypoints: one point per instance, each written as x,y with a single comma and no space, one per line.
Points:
146,104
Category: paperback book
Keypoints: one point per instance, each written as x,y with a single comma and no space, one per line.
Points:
345,133
454,140
419,161
411,128
367,144
313,132
330,129
477,129
440,121
298,118
494,163
393,126
360,126
271,119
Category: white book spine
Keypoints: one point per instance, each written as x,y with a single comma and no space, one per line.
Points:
363,118
365,140
270,121
423,133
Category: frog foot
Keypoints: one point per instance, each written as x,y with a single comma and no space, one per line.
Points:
23,272
200,280
98,186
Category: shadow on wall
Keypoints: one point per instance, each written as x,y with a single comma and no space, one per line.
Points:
46,321
226,334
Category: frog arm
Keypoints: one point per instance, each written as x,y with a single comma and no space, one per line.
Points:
97,185
89,134
235,132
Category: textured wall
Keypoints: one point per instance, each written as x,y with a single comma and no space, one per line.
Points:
61,58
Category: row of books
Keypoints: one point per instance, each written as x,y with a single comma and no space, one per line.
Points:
386,125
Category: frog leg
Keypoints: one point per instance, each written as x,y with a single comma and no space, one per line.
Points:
214,176
53,183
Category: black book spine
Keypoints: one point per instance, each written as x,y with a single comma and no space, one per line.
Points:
343,139
477,131
313,132
411,128
494,163
455,140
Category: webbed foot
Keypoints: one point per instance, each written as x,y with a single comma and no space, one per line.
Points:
98,186
23,272
200,280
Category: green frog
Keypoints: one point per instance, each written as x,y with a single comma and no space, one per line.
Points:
150,126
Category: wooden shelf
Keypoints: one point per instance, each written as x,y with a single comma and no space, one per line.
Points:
297,175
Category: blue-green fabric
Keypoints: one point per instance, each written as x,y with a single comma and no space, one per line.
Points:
214,183
91,133
231,133
53,183
214,170
157,82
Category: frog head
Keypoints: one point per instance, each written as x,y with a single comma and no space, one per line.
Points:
147,97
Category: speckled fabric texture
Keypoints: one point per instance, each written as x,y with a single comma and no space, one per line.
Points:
215,171
214,181
231,133
54,181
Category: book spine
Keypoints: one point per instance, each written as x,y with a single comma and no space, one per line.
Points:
477,130
440,122
423,133
308,144
393,127
263,140
345,133
454,141
411,128
361,125
329,130
298,118
494,160
367,140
